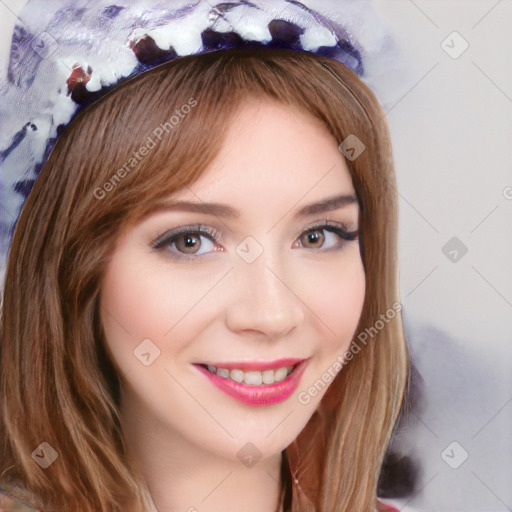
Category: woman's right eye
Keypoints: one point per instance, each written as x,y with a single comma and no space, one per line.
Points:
190,243
187,242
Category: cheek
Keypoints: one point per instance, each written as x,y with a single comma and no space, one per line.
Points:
336,300
135,306
141,301
129,300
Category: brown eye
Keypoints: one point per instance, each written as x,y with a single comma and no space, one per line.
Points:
313,239
188,243
326,236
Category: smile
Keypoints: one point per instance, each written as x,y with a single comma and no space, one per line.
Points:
252,378
258,383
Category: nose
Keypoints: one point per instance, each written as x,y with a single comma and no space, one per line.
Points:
264,300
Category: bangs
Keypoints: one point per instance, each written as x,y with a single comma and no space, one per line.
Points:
158,132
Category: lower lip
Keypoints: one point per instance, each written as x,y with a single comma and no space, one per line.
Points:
258,395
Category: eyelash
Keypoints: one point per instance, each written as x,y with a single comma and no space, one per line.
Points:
169,237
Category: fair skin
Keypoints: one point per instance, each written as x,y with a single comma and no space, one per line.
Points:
301,298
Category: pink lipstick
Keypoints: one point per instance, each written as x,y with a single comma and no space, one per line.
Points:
256,383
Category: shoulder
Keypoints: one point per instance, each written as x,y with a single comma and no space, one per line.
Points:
9,503
383,507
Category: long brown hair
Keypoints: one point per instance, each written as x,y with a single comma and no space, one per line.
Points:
57,383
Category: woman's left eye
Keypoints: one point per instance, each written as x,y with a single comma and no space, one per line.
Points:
186,243
328,234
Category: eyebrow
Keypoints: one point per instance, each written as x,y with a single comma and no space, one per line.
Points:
223,210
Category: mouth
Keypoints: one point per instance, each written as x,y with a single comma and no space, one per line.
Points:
252,377
256,383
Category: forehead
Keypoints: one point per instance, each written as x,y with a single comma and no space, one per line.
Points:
273,150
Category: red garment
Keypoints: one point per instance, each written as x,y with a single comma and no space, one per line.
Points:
383,507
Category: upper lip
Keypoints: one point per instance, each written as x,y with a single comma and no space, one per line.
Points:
256,365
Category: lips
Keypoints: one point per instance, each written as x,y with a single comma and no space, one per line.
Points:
256,383
252,377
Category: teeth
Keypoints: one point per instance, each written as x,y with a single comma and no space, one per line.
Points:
268,377
280,374
252,378
236,375
222,372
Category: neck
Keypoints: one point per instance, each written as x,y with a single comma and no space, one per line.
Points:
183,476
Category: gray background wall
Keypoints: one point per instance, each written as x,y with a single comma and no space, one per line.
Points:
451,126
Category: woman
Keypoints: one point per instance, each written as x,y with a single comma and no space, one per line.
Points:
265,373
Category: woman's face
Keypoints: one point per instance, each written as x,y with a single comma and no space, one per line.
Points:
253,286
